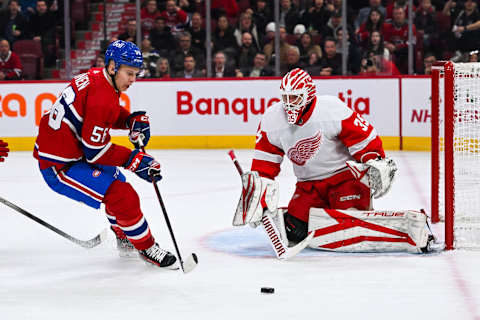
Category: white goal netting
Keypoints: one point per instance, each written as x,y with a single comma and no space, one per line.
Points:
466,155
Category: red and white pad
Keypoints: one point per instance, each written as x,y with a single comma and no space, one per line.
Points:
368,231
258,195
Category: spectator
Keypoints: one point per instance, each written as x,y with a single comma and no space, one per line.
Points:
148,15
466,28
163,68
313,65
374,22
333,24
197,31
397,4
161,37
189,70
13,24
289,15
99,61
259,68
150,57
261,14
306,47
27,7
224,7
452,9
425,21
331,62
130,33
298,31
269,33
428,60
269,48
185,48
247,51
175,17
376,46
293,60
42,27
396,39
354,55
365,12
220,68
245,24
10,65
351,14
223,38
316,17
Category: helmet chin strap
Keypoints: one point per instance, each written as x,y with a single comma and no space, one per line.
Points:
113,80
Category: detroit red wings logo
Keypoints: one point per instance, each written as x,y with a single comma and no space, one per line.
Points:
304,149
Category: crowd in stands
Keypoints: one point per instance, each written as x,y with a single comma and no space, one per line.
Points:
243,35
311,36
28,20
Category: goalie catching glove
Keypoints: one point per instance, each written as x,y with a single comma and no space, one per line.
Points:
259,195
378,174
139,127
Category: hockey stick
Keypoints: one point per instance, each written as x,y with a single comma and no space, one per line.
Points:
86,244
282,250
192,260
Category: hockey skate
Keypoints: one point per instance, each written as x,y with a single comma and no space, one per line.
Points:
159,257
124,246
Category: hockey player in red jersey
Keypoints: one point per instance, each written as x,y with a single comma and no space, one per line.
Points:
3,150
78,160
339,163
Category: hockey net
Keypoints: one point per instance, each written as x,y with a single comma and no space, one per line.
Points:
456,152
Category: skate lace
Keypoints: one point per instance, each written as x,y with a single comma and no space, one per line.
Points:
157,253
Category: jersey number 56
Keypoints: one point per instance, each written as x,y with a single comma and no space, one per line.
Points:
57,112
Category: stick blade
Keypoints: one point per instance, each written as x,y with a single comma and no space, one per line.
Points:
293,251
190,263
98,239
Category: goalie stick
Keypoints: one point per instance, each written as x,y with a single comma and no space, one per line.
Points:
83,243
281,249
191,261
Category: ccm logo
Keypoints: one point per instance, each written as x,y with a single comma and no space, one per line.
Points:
350,197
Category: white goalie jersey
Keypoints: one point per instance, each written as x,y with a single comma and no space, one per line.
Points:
329,135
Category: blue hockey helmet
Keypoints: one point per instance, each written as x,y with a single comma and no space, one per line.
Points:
123,52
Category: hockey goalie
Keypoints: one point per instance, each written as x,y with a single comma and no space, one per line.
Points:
340,166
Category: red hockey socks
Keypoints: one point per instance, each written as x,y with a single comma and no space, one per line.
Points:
123,210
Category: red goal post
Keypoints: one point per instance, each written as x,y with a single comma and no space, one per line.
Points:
455,187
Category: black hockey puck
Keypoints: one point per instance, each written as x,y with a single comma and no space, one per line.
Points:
267,290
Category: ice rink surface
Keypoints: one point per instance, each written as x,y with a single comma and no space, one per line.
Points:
43,276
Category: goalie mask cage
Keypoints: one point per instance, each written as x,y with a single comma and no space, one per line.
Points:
456,152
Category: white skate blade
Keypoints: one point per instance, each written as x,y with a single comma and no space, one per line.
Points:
190,263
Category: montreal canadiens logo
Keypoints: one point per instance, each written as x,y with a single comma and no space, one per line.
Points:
304,149
95,173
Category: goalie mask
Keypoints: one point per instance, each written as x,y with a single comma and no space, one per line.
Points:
297,91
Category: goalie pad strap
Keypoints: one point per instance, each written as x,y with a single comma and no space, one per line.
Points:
368,231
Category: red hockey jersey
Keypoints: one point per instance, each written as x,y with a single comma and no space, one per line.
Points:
329,135
78,124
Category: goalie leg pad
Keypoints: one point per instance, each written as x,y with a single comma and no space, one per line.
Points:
368,231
